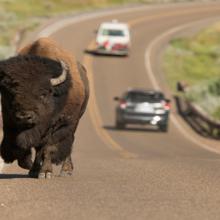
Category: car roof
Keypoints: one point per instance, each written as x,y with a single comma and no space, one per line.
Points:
114,25
140,90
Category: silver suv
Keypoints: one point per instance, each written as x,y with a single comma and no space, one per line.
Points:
139,106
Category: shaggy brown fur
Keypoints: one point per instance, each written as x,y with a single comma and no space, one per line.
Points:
37,114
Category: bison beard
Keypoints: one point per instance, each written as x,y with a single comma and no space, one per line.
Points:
47,82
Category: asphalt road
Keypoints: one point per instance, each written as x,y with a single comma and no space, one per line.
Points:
138,173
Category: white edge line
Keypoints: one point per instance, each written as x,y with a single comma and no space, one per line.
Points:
52,28
64,22
155,84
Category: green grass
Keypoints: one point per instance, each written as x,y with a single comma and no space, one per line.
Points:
196,60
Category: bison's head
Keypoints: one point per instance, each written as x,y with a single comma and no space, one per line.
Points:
33,90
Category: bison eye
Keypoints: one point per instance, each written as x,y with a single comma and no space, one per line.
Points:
43,96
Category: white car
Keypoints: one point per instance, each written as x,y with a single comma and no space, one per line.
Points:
113,38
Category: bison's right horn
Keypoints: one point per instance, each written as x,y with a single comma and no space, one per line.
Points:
60,79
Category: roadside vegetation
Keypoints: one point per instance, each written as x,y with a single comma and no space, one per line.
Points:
196,60
20,16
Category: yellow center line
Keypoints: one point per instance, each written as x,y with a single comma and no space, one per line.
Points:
96,118
93,107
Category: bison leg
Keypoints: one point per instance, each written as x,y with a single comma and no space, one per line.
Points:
10,153
35,169
7,150
46,168
67,167
24,161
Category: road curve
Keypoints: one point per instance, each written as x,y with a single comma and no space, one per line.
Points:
136,173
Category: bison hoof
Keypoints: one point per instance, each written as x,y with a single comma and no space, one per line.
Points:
65,173
33,174
47,175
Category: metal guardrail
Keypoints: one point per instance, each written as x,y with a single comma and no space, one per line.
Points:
196,116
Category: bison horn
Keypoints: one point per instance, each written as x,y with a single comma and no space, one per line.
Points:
60,79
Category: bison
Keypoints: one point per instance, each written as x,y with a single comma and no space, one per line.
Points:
44,93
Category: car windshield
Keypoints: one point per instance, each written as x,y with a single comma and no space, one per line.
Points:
112,32
144,97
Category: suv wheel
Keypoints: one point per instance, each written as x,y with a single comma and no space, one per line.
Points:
120,125
163,127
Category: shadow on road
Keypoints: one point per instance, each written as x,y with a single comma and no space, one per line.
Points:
94,53
13,176
131,129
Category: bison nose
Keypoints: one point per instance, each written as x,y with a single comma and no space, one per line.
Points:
28,116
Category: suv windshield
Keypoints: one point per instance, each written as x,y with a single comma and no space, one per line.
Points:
144,97
112,32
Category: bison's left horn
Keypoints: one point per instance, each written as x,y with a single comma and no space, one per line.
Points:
60,79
